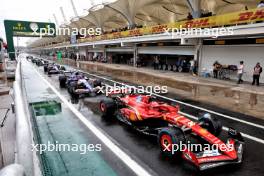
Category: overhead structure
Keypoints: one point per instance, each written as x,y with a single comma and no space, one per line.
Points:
112,15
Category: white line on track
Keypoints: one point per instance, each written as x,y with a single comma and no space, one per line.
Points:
187,104
132,164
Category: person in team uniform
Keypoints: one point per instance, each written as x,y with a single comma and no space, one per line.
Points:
256,74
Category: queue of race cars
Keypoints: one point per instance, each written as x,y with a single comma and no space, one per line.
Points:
150,116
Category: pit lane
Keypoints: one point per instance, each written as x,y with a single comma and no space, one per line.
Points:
146,150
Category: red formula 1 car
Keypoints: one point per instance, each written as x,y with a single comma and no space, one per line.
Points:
152,117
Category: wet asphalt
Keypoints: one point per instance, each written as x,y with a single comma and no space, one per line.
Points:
144,149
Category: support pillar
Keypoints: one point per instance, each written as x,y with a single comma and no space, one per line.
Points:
198,55
195,8
135,53
104,53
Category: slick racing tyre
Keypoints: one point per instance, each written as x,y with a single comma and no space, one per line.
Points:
62,80
45,69
211,124
169,138
72,86
108,107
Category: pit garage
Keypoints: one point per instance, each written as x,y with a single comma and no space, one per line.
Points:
232,55
120,55
170,58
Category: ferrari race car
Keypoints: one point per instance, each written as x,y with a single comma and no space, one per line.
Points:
149,116
52,68
79,85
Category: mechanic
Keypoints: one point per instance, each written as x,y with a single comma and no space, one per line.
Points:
256,74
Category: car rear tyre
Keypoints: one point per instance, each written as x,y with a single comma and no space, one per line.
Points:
62,80
211,124
169,137
72,86
45,69
108,107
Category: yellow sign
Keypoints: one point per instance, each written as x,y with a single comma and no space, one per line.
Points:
260,40
19,27
241,17
220,42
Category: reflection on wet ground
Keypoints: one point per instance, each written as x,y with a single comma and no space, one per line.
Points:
226,98
146,148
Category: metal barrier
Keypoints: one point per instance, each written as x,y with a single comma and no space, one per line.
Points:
25,158
23,129
13,170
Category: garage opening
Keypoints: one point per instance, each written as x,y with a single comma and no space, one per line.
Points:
176,63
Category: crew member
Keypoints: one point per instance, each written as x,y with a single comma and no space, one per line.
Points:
256,74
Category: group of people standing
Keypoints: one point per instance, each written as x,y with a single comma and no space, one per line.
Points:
257,70
256,73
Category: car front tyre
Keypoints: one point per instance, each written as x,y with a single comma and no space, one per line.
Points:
170,140
108,107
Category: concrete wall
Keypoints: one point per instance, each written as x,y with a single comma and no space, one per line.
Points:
232,55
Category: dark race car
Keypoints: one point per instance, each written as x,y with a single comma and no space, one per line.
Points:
40,62
69,76
149,116
78,85
52,68
85,87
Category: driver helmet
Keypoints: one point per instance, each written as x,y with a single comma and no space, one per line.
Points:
207,115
